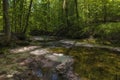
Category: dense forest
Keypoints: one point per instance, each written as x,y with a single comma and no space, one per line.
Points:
86,30
73,18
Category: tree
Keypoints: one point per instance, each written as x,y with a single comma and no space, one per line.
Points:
27,17
104,3
7,28
65,12
77,12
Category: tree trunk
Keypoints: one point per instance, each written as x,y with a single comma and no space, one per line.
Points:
104,2
77,13
13,26
7,28
21,14
27,18
65,11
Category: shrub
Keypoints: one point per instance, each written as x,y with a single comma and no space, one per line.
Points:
109,31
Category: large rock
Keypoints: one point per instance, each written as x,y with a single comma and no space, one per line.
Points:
46,68
65,69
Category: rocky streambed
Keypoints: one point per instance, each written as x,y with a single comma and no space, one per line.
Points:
47,66
44,61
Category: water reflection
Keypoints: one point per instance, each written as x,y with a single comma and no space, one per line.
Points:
54,77
39,73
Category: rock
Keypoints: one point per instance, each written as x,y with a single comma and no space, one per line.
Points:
9,76
44,68
39,52
26,61
23,49
3,77
65,69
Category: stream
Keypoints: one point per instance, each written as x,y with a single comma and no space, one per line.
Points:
46,65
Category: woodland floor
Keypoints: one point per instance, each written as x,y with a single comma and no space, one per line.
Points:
92,61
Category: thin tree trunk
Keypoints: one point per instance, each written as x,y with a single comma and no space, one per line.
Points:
7,28
27,18
13,16
104,2
21,14
65,11
105,13
77,12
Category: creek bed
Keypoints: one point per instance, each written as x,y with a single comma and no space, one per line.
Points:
54,66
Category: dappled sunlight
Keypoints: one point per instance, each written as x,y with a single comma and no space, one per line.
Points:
58,57
60,40
42,38
37,38
39,52
67,41
87,60
89,45
23,49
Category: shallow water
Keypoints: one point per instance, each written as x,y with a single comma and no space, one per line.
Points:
58,57
41,75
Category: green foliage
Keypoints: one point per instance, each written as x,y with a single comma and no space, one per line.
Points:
76,20
3,51
109,31
1,23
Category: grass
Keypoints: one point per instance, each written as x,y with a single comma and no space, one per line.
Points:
94,64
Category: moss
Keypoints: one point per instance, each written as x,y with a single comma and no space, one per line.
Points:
94,64
58,50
